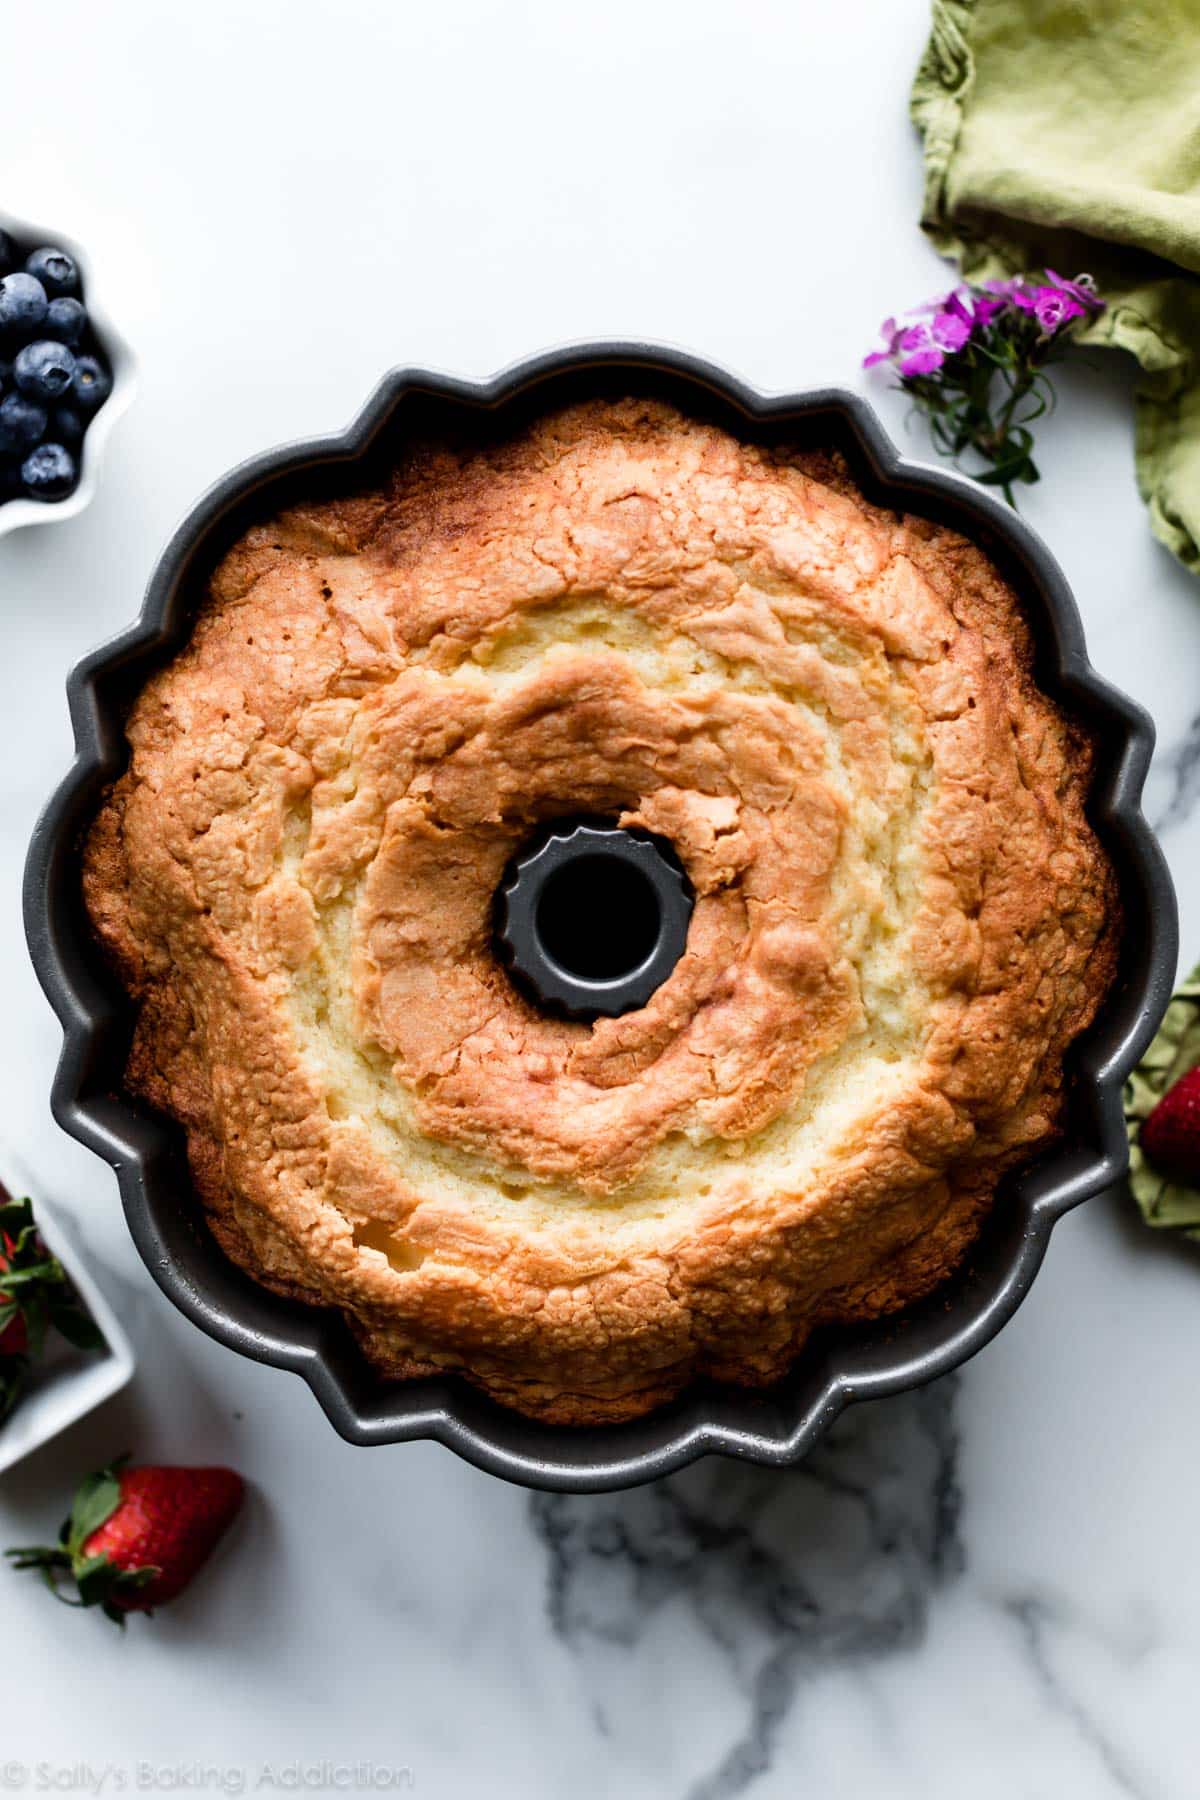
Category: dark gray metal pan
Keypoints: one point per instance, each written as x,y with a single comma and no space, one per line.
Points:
778,1425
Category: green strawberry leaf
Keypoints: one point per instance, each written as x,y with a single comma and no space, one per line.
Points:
16,1217
35,1324
94,1577
96,1499
32,1275
131,1579
75,1324
38,1556
14,1373
100,1581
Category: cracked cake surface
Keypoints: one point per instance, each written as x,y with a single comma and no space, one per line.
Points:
902,917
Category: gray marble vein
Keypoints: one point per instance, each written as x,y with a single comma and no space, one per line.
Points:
784,1573
1036,1619
1178,771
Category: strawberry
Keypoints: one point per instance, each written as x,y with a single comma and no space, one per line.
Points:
35,1293
1170,1137
136,1536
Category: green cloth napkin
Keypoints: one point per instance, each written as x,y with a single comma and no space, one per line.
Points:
1174,1051
1066,134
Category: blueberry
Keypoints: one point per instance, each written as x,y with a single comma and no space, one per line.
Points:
22,304
54,269
22,422
66,426
92,382
10,256
48,472
65,320
44,370
6,379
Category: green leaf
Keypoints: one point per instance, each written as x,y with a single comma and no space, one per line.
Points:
78,1327
100,1581
14,1373
1004,473
1035,409
139,1578
35,1324
96,1578
39,1556
16,1216
96,1499
31,1275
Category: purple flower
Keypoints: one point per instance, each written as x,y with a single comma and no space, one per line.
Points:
952,328
1053,308
1082,289
921,348
953,317
984,307
948,352
920,353
973,305
946,325
1021,295
1056,302
951,302
891,333
924,347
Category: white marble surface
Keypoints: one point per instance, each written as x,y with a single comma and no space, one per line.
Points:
990,1589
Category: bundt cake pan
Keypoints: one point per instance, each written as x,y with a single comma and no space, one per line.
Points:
776,1425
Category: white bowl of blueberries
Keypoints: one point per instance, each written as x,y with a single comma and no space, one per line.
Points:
65,377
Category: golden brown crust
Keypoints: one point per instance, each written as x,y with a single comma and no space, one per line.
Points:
902,919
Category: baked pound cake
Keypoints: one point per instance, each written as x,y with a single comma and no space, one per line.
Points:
901,918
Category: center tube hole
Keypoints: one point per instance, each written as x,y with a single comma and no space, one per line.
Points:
598,918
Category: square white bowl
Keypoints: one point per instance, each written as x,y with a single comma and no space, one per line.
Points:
22,511
65,1383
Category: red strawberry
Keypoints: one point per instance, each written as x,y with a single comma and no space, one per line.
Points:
1170,1137
136,1537
35,1294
